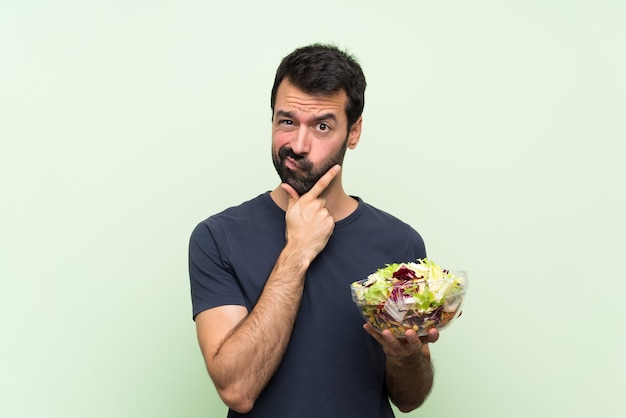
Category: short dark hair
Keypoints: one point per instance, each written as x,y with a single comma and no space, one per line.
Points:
323,69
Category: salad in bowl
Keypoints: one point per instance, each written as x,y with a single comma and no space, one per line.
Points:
416,295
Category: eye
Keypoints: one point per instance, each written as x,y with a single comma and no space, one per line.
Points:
285,122
323,126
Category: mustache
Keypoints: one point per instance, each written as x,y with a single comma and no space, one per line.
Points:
287,152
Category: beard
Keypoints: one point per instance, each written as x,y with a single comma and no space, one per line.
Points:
304,179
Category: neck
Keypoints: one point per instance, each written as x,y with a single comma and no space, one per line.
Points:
338,203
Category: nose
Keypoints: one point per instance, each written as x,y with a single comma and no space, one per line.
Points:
300,143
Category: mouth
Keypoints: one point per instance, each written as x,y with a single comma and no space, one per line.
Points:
292,163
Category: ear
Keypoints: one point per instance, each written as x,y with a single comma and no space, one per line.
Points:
355,133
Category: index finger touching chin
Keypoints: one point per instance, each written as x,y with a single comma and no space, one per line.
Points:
324,181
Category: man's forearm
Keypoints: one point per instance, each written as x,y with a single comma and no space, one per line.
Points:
409,381
251,353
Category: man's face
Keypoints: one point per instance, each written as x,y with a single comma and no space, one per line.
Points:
309,135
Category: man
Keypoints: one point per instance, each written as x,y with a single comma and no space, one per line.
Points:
279,332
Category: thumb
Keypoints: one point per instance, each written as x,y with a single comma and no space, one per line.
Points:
292,195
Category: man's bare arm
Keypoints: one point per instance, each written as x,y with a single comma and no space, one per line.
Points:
409,376
243,350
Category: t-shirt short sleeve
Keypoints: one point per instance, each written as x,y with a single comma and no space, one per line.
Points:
213,282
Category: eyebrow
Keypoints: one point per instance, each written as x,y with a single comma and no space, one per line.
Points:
324,116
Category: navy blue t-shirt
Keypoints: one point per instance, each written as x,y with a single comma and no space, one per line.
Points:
332,367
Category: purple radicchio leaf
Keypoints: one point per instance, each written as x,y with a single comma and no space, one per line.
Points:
404,273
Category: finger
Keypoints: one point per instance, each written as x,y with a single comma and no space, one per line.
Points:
412,337
431,337
323,182
390,338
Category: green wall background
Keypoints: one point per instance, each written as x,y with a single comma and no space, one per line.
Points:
496,128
